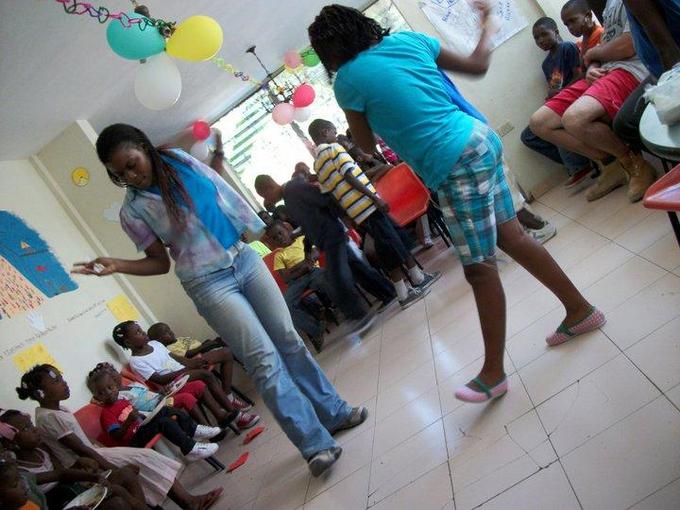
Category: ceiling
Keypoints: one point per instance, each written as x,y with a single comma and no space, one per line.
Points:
56,68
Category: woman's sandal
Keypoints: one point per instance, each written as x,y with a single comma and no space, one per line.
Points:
467,394
593,321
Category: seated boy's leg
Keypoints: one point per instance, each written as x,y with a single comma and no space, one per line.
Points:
547,122
302,320
341,280
370,279
538,144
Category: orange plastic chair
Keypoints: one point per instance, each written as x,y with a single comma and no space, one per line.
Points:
406,195
664,194
269,261
89,416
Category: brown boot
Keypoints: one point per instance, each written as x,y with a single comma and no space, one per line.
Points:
640,173
612,176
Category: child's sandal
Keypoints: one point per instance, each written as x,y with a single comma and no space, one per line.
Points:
593,321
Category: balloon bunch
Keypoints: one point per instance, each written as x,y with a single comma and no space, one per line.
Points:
158,83
303,96
201,132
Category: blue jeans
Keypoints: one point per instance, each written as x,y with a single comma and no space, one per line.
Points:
303,320
243,304
572,162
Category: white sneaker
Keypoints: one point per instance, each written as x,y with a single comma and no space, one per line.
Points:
543,234
202,451
205,432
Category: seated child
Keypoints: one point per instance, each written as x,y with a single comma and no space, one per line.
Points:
59,485
578,18
18,489
340,175
215,352
66,440
301,272
145,400
125,425
561,67
154,363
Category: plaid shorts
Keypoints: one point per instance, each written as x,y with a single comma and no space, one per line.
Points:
475,197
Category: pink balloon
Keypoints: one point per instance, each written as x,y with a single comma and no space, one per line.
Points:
283,113
200,130
292,59
304,95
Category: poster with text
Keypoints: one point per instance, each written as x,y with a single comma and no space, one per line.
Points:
457,21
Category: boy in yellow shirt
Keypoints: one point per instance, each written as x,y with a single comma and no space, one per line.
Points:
301,273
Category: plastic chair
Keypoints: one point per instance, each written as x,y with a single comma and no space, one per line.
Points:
406,195
89,416
664,195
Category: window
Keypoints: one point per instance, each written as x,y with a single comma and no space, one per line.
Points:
255,144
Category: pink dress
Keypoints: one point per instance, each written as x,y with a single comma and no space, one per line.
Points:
157,472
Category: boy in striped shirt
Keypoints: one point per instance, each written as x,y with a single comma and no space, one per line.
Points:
339,174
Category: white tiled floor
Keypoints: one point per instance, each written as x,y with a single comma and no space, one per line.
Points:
593,424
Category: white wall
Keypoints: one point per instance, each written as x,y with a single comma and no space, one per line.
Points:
76,340
511,91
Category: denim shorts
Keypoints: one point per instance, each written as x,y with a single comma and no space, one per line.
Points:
475,197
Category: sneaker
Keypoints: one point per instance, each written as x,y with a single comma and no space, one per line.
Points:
246,420
428,280
414,295
239,404
356,417
321,461
205,432
541,235
358,326
579,177
202,451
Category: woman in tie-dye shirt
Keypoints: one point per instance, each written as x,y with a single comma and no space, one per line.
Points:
176,203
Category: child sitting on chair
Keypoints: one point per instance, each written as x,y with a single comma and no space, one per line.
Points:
154,362
126,426
214,351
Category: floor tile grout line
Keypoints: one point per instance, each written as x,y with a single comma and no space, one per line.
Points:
548,435
375,419
407,484
441,410
653,493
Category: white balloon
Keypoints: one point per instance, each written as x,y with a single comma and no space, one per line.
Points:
158,83
200,150
302,114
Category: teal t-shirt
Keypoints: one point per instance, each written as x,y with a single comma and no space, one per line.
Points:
397,85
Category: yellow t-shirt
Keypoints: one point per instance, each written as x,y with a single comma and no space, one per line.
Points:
291,256
331,164
183,344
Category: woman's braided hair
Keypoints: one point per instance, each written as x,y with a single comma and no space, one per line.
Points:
172,190
339,33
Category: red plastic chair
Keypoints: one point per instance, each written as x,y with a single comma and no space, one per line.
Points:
269,261
406,195
664,194
89,416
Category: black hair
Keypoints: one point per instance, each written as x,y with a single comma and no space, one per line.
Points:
153,330
172,190
9,414
581,6
316,127
101,370
339,33
120,332
276,223
546,22
32,382
263,180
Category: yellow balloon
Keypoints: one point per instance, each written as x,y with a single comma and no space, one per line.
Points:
196,38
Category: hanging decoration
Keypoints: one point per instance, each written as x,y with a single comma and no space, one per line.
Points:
200,150
292,59
310,58
219,62
303,96
197,38
102,15
158,83
201,130
134,44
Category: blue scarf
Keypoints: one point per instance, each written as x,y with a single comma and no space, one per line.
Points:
204,197
458,99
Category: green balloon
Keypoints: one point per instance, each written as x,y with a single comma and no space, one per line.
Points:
310,58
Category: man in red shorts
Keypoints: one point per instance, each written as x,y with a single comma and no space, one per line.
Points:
579,118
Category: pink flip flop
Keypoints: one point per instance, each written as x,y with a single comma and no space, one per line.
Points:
594,320
467,394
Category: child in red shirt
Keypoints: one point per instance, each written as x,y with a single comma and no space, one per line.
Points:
126,427
578,18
